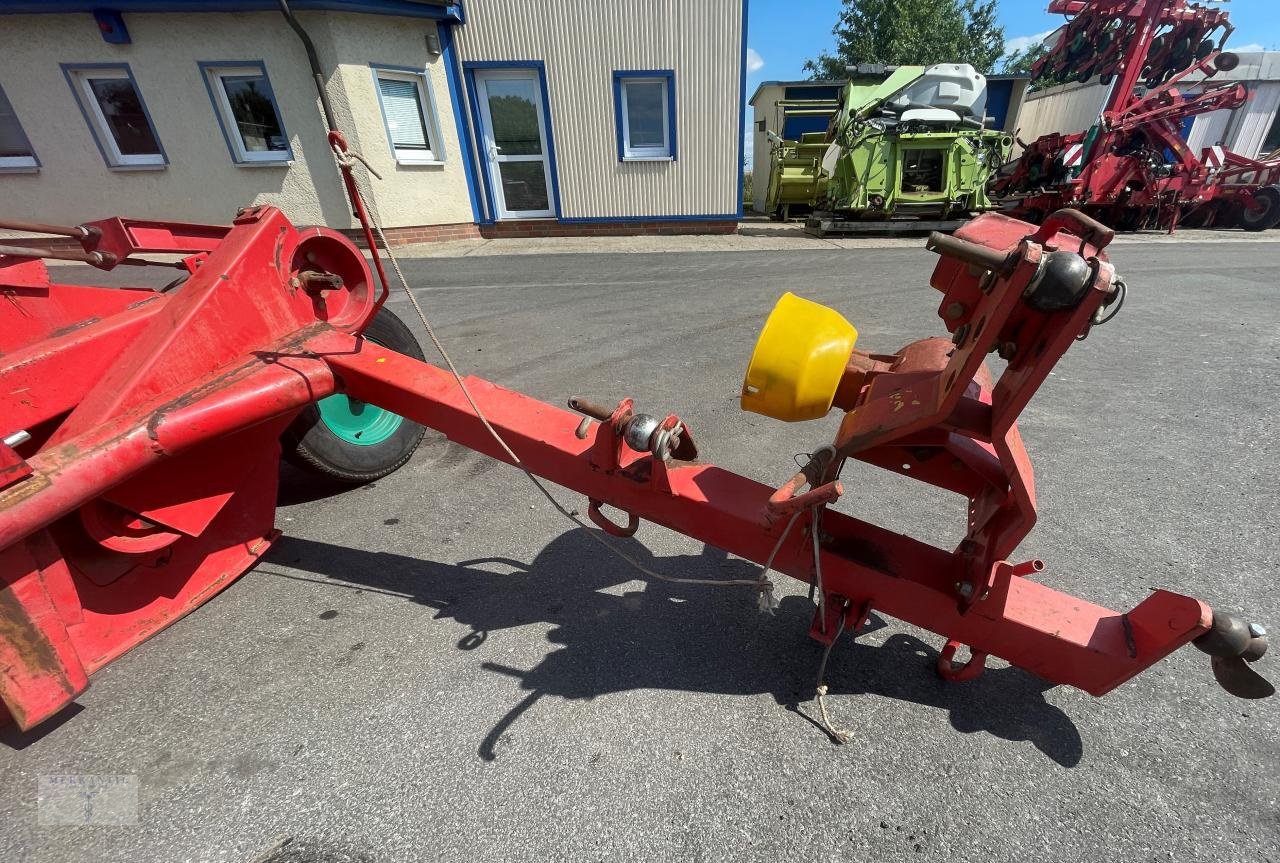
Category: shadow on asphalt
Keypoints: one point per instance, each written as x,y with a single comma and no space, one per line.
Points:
680,637
15,738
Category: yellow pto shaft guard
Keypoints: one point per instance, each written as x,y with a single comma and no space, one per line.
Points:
798,361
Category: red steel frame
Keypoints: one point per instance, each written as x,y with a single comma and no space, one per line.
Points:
148,481
1117,182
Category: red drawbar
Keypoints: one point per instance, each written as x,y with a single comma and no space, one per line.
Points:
147,483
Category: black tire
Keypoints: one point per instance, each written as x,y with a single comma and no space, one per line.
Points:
1266,215
310,445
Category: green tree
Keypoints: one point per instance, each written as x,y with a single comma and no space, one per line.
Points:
912,32
1020,63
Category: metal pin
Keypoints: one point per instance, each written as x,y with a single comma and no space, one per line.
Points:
18,438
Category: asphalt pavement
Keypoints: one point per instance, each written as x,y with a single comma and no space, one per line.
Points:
438,667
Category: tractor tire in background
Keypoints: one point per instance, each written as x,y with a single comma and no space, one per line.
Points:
344,439
1267,213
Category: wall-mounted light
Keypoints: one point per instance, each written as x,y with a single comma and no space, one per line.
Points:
433,44
111,26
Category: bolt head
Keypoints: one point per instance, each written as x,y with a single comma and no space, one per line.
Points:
1257,631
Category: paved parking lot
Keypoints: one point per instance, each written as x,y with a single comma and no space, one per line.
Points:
436,666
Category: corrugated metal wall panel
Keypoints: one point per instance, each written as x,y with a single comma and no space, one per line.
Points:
582,43
1254,120
1068,109
1208,130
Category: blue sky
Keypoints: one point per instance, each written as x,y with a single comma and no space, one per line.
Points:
782,34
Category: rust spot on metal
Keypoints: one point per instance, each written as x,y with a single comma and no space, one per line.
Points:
23,490
279,253
71,328
35,655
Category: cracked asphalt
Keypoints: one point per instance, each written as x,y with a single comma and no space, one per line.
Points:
438,667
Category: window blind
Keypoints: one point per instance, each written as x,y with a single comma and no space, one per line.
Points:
403,108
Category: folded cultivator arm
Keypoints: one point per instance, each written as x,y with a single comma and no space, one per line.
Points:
138,472
1133,167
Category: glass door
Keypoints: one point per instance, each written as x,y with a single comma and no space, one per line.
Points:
515,142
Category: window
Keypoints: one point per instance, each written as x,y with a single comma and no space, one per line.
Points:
645,103
15,149
247,112
409,114
112,105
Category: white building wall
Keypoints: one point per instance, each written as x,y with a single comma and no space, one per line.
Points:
406,194
582,43
201,183
763,108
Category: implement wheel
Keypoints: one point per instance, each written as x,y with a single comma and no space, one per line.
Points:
351,441
1265,212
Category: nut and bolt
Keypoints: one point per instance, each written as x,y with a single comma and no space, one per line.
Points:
1257,631
965,589
955,311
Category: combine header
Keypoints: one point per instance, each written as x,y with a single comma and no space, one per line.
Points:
1133,169
142,431
909,148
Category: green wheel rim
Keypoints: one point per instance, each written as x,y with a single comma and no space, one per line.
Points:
357,422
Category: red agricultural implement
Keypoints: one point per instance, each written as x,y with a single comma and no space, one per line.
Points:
1133,169
142,431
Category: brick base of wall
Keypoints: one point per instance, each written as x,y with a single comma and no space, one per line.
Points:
421,234
552,228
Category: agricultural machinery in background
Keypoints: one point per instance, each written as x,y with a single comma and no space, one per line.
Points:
908,144
796,178
903,145
1133,169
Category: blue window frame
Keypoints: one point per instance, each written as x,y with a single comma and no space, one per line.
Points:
644,103
469,69
112,105
247,111
15,148
409,115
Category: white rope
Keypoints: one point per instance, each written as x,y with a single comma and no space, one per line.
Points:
838,735
814,530
767,600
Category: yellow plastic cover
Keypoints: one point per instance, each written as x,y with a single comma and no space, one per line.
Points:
798,361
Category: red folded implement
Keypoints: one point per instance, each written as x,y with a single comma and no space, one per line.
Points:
142,429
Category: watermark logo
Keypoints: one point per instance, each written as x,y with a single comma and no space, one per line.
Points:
86,798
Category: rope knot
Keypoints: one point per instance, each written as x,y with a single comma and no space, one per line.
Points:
839,735
766,601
